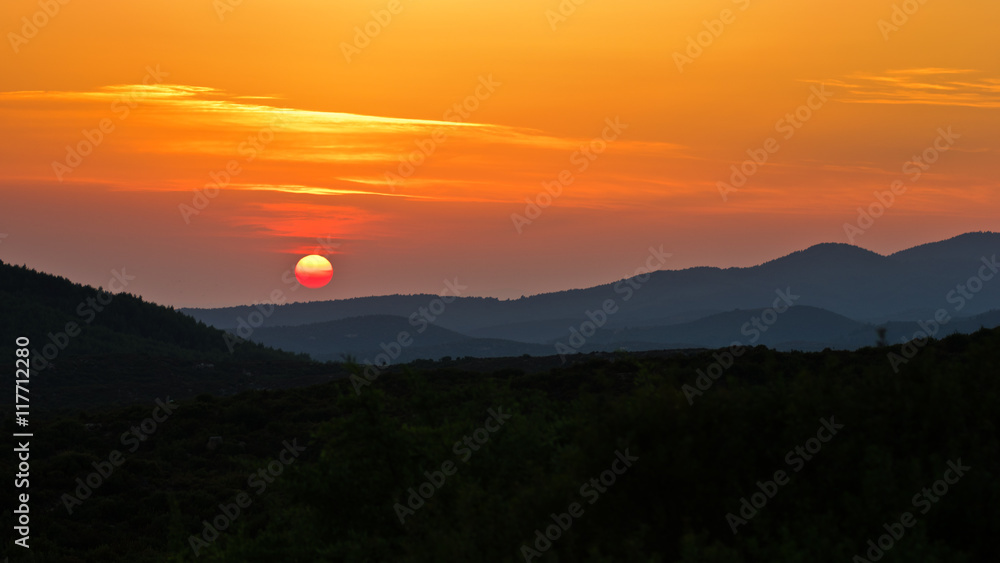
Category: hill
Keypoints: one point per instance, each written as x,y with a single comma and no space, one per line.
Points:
365,338
845,282
97,345
840,443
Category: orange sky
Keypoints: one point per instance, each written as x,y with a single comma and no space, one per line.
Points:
309,117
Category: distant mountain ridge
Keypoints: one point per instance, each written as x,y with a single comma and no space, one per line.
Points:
364,337
844,292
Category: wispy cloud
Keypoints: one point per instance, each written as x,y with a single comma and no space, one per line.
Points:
288,226
926,86
176,106
175,134
314,190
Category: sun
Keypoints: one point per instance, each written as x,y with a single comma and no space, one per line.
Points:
313,271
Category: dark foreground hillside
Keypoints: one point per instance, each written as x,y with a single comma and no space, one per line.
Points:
92,347
830,450
67,319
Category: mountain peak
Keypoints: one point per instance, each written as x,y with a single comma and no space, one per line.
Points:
825,252
984,243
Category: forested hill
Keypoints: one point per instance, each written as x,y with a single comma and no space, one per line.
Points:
64,319
834,449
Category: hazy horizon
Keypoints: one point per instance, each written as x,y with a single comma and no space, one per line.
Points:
510,145
284,281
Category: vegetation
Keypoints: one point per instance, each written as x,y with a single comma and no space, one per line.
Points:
94,348
42,305
336,501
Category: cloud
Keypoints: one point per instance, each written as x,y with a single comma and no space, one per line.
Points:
926,86
175,135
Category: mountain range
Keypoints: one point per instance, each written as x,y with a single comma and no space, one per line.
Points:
830,295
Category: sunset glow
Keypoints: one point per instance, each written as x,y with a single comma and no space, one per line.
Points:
515,146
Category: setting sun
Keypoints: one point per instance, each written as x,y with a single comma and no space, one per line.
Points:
313,271
571,237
